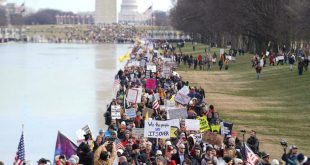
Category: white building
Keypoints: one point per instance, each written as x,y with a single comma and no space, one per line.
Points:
106,11
129,13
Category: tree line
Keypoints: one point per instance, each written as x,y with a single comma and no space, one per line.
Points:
254,25
42,17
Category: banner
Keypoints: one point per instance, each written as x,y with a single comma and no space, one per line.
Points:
116,112
192,124
174,123
176,113
151,67
139,96
150,83
279,58
138,132
157,129
148,74
216,128
167,71
182,99
226,128
131,113
204,125
132,95
184,90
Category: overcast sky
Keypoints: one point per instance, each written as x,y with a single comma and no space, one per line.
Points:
88,5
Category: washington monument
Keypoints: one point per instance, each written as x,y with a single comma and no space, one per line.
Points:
106,11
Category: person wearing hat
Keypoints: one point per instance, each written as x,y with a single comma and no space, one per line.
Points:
291,157
264,159
302,159
209,157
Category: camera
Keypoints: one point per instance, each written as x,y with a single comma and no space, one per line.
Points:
283,143
243,131
109,146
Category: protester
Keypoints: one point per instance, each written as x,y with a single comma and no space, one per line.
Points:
253,142
302,159
290,158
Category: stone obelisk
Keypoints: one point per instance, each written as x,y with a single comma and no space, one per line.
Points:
106,11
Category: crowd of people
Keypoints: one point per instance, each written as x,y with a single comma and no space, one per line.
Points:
282,58
106,33
120,144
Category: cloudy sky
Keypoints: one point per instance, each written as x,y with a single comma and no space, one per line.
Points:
88,5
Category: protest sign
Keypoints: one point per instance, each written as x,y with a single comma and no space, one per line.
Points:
166,86
174,123
221,51
142,63
150,83
212,138
215,128
279,58
131,113
157,129
116,112
138,132
167,71
204,125
139,96
132,95
173,132
184,90
151,68
182,99
148,74
176,113
170,103
192,124
132,76
226,128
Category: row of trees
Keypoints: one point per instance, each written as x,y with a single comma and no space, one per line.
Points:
255,25
42,17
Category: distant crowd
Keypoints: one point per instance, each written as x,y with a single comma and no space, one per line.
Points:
107,33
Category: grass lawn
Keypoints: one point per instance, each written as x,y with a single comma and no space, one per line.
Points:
276,106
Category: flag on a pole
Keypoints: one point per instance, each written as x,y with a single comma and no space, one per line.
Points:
124,57
155,105
20,9
148,12
251,157
64,146
20,154
115,86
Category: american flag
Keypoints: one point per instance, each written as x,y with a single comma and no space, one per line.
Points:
20,154
148,12
251,158
115,86
155,105
119,145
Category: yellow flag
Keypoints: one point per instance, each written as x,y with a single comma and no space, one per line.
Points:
146,115
124,57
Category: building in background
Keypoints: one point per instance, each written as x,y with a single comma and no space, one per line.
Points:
106,11
129,13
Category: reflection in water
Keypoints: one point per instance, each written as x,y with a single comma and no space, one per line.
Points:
51,87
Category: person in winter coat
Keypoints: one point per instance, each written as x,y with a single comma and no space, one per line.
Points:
253,142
